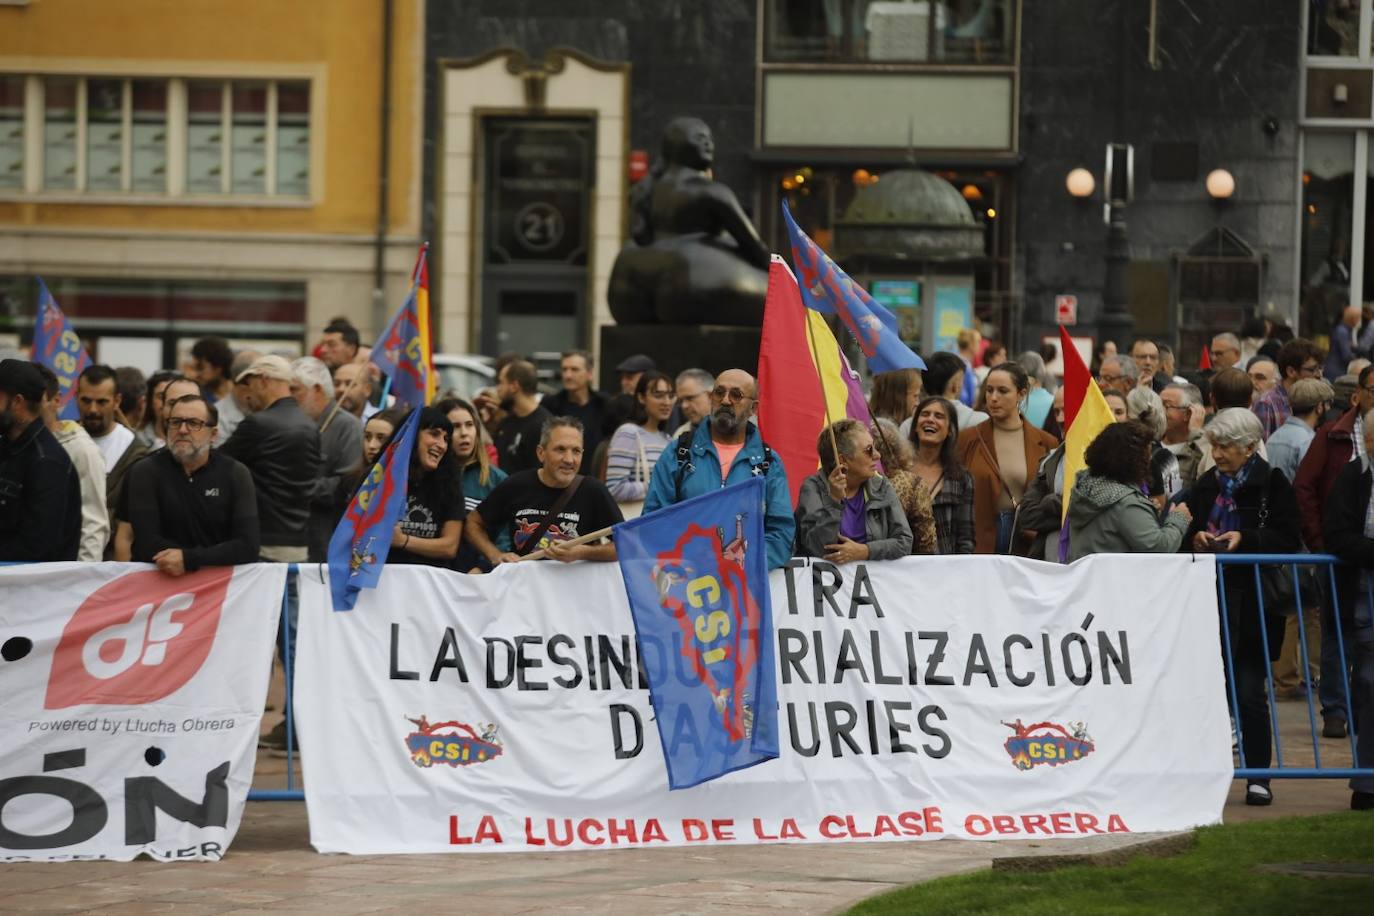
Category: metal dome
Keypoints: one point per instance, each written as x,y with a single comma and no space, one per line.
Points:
909,214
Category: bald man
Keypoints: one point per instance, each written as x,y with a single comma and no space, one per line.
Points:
1345,343
724,449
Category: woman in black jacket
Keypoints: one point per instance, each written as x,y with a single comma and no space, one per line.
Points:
1242,505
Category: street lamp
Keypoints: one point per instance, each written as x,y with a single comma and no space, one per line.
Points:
1118,186
1221,184
1080,183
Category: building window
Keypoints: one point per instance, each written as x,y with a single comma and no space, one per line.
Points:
109,135
59,133
11,131
1333,28
148,144
1328,181
884,31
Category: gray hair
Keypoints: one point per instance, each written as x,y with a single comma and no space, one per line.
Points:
310,372
1034,364
546,431
1144,405
708,381
1125,364
1229,339
1187,392
1234,426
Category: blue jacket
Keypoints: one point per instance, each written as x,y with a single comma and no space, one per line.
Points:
702,476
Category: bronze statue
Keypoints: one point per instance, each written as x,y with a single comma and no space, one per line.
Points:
695,258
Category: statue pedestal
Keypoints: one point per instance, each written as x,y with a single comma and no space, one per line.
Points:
675,347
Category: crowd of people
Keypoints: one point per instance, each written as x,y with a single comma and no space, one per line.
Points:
245,456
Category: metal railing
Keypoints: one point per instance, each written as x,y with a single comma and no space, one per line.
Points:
1247,573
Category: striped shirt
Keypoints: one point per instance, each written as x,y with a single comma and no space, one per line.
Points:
625,477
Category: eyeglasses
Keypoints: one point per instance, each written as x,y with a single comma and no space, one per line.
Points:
190,423
1177,407
662,395
1111,379
693,397
1312,370
731,394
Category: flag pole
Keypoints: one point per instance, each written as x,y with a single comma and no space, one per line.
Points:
338,400
575,542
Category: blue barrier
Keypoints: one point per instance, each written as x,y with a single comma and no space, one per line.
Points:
1305,603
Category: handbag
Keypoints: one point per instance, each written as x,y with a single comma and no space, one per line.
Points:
1276,581
631,508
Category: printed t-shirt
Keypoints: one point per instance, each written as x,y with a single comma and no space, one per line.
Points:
518,438
430,504
520,502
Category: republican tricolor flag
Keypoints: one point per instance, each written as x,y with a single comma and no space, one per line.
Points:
803,378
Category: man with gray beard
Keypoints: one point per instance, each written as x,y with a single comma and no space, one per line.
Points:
191,506
725,448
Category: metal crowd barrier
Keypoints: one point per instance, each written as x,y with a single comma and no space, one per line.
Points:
1242,565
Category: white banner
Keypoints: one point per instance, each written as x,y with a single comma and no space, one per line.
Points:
132,705
972,697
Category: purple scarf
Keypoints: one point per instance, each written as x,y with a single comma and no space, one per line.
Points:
1225,516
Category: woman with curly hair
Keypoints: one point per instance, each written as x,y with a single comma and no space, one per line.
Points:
846,511
1108,509
899,460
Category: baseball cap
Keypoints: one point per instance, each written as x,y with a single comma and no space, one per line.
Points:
637,363
273,367
1310,392
18,376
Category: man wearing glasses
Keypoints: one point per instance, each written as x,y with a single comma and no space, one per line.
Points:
1225,351
192,506
1299,359
727,449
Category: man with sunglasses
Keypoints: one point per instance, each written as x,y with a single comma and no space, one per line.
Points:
190,505
724,449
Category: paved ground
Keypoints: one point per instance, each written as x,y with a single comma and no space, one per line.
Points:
271,866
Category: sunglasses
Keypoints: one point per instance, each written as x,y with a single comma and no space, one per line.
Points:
731,394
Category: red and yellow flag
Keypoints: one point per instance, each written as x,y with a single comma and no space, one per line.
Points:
1085,413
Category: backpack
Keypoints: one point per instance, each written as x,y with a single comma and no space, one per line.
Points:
685,466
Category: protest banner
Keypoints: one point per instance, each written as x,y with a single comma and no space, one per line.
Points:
971,697
132,707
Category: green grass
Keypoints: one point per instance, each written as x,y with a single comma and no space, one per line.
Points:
1218,875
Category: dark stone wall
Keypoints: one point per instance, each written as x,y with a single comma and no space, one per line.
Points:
1225,67
688,57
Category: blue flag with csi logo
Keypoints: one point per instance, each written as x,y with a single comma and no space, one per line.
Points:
358,549
696,574
402,350
828,290
58,347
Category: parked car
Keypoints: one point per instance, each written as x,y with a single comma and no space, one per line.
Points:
464,373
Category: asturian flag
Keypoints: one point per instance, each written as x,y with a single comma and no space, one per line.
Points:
58,347
696,575
829,290
361,542
403,349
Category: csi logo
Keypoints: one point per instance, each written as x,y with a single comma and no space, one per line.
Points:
137,639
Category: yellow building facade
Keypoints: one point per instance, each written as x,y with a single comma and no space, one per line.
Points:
179,169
